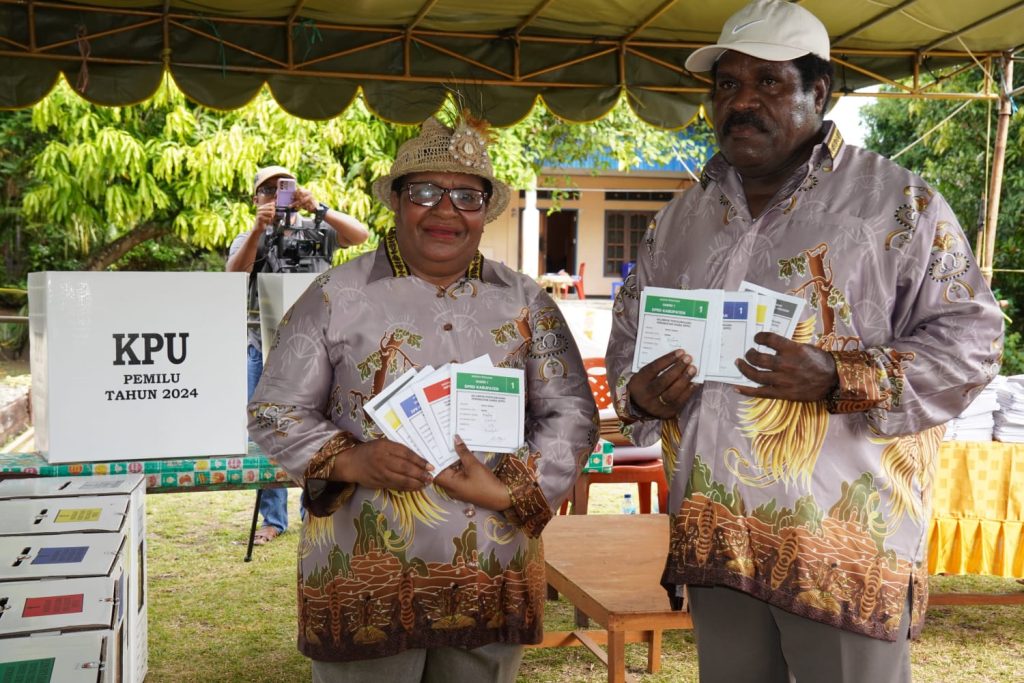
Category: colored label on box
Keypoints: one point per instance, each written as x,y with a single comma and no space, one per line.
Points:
27,671
79,515
53,604
61,555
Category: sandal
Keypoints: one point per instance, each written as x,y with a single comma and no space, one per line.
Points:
265,535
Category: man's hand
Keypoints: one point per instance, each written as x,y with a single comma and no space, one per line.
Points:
383,464
470,481
662,387
303,199
265,216
797,372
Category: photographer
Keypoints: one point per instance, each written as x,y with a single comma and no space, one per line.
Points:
281,240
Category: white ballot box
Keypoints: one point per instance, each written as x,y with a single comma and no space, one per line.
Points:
133,366
278,291
45,611
95,602
24,558
113,504
133,485
62,657
31,516
58,578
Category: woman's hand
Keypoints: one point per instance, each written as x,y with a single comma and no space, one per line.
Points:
470,481
382,464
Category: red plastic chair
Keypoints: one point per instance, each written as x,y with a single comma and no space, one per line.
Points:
577,282
643,473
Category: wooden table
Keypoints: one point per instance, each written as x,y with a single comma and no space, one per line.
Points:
557,283
624,597
251,470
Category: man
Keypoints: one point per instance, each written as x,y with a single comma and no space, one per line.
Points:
800,503
247,254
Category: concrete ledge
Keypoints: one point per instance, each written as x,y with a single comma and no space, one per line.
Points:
15,416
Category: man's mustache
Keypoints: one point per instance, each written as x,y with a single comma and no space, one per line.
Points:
744,118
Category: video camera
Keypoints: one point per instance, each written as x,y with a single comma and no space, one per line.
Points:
302,249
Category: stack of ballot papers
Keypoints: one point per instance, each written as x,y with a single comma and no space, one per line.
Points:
714,326
977,420
1009,419
424,409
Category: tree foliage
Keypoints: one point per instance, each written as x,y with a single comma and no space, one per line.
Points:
956,159
167,184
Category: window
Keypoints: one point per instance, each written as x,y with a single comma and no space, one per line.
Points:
623,232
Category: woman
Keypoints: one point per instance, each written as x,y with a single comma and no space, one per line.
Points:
406,574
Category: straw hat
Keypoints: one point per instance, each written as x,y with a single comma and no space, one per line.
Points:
268,172
439,148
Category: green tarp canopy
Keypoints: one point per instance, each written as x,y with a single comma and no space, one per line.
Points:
579,56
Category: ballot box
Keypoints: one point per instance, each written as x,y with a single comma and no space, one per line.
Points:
91,656
278,291
135,366
80,507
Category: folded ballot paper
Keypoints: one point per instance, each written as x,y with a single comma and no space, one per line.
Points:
424,409
714,326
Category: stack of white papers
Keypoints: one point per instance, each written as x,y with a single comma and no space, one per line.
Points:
714,326
1009,419
977,420
424,409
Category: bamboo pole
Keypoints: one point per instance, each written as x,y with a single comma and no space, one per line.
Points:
998,159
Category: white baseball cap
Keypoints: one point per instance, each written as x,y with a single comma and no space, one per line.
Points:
773,30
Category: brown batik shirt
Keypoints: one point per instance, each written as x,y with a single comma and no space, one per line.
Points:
382,571
820,508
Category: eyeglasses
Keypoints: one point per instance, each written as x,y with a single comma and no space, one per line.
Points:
463,198
266,190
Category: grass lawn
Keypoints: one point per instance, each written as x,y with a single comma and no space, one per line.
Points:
214,618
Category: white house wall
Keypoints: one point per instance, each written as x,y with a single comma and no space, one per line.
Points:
501,238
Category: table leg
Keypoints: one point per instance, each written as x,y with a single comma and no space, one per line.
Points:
616,657
252,529
581,495
654,651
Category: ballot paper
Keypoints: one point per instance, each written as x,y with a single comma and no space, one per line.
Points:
786,311
488,408
385,416
735,336
404,407
434,397
671,319
416,419
765,309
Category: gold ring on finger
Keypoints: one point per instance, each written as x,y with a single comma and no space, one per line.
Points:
661,400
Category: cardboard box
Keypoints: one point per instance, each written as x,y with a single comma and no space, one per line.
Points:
95,603
62,657
134,366
25,558
278,291
80,514
600,459
55,487
59,493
